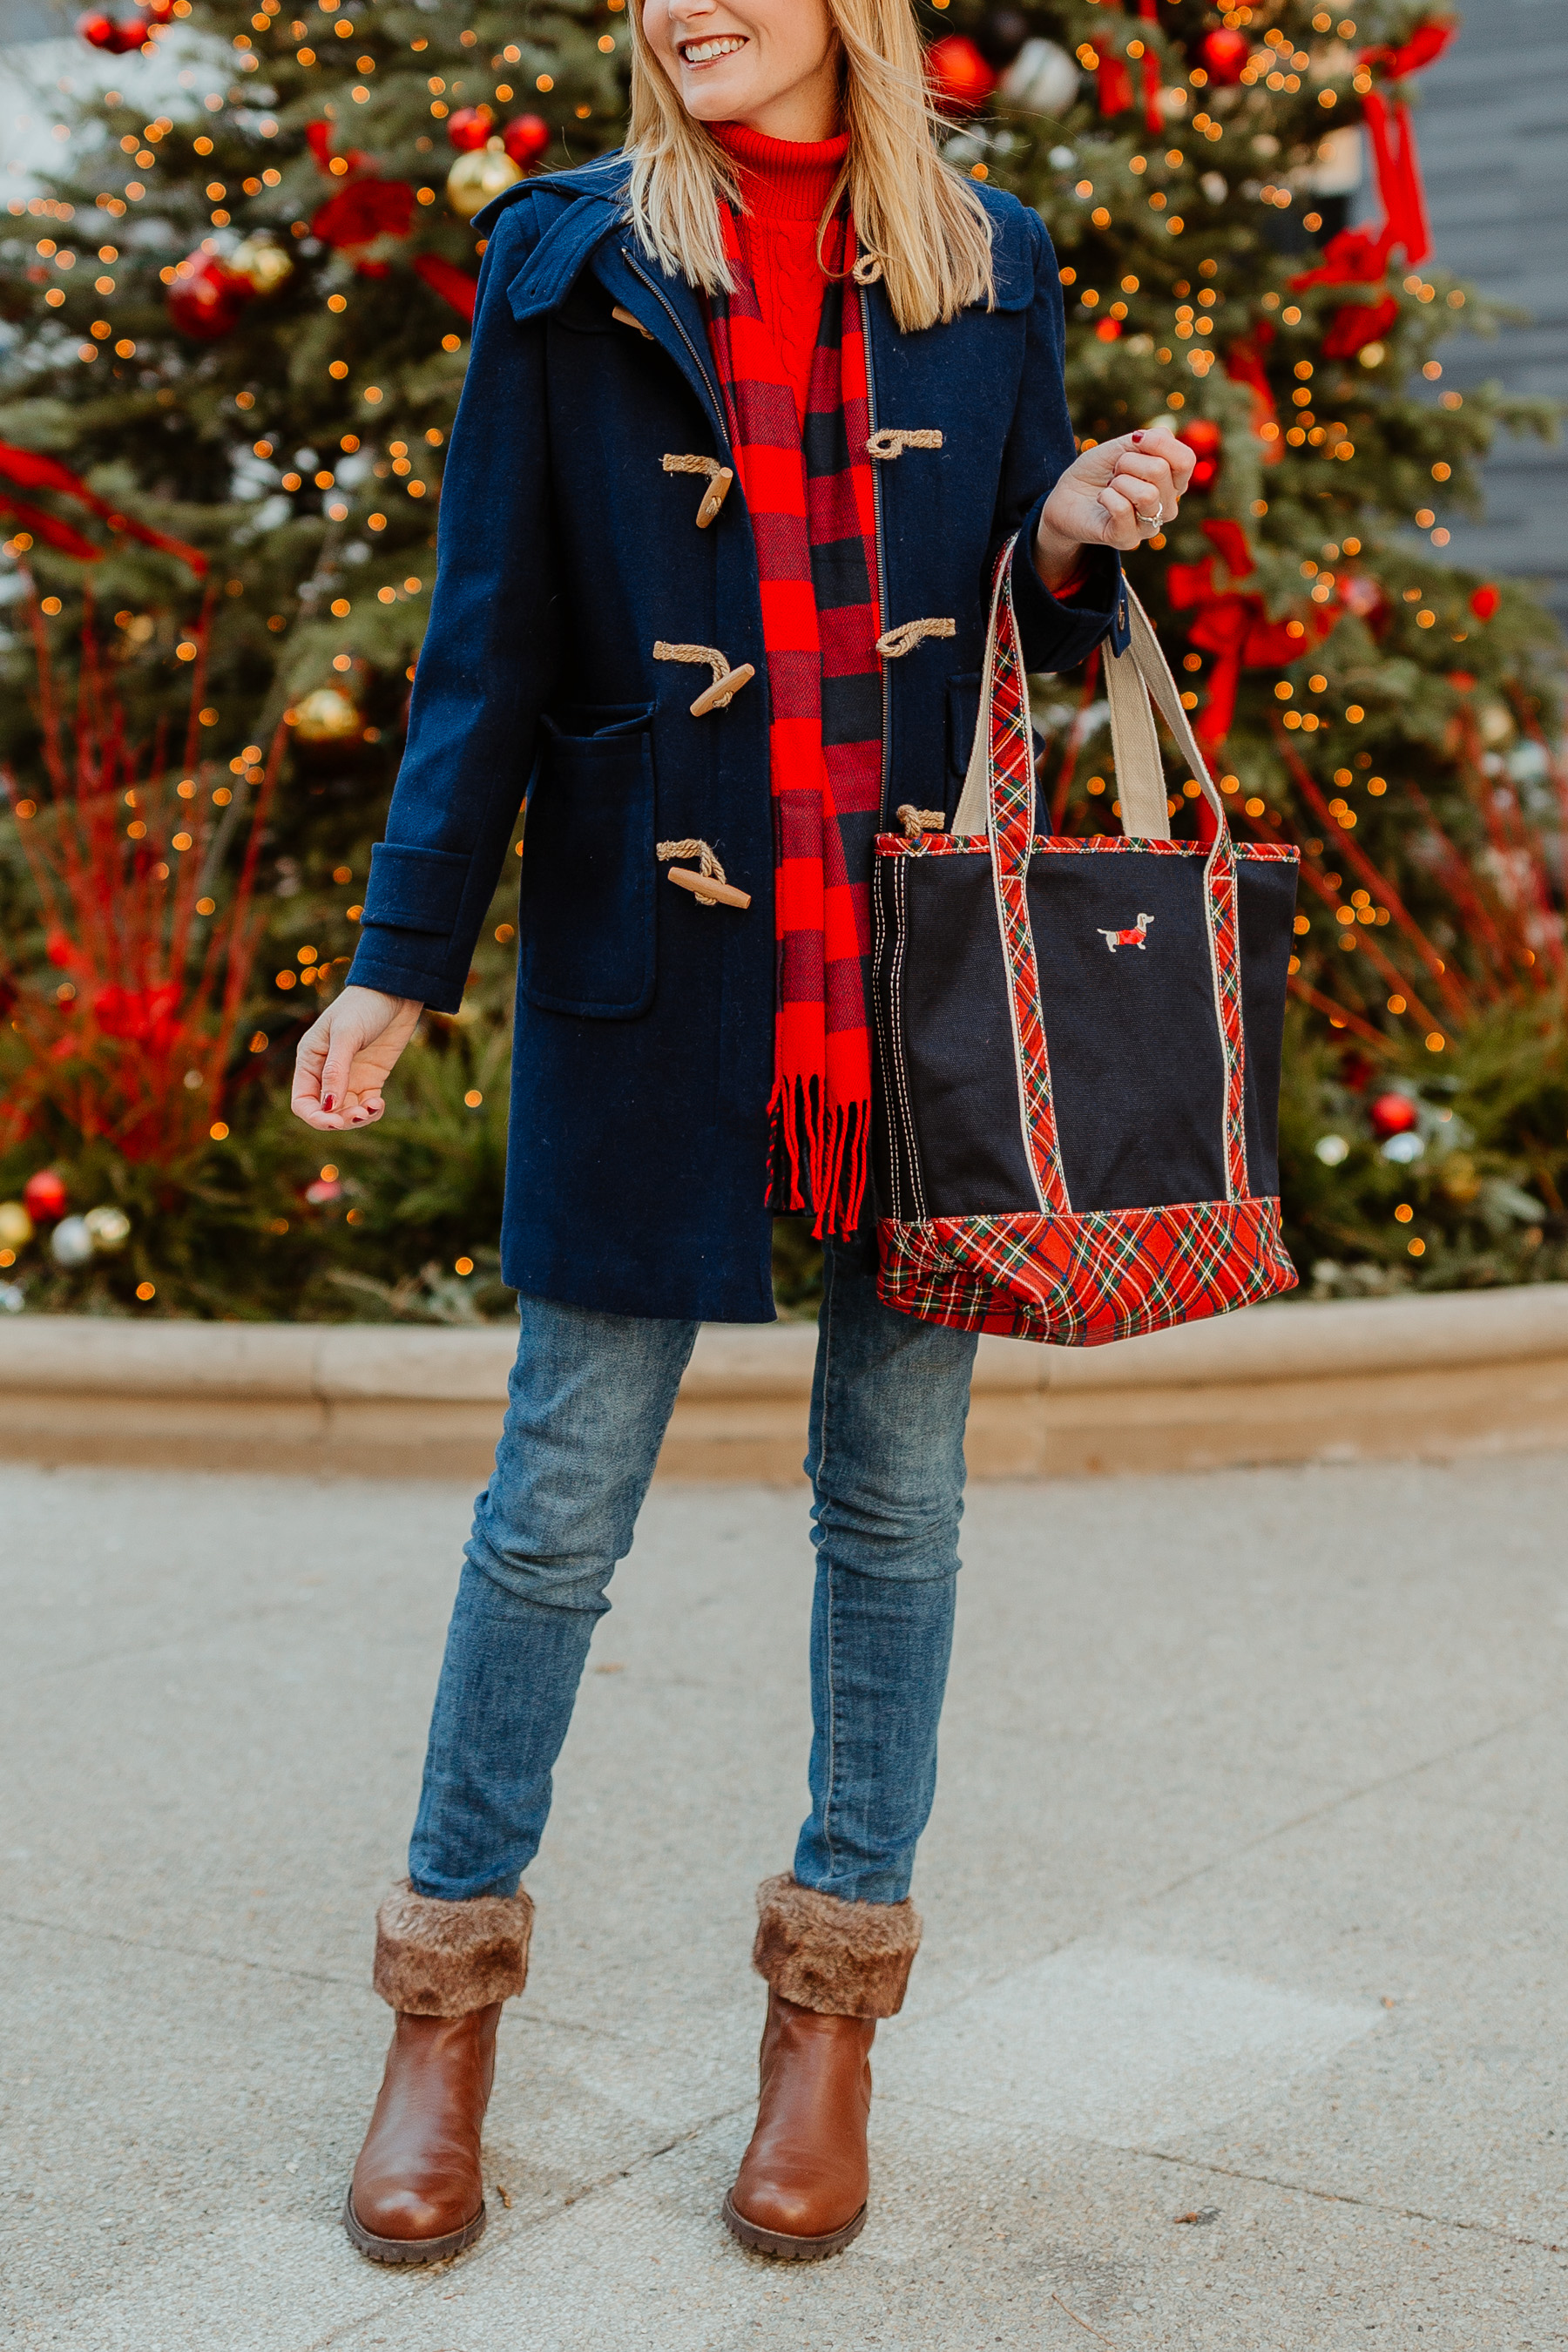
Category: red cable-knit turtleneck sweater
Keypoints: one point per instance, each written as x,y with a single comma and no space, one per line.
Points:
785,183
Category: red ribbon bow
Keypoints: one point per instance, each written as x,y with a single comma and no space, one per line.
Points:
367,207
1116,87
1234,625
30,469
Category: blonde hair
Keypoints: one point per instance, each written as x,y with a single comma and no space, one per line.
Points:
914,215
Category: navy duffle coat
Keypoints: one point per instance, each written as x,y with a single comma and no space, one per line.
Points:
642,1064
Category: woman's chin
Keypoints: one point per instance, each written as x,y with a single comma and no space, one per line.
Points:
717,97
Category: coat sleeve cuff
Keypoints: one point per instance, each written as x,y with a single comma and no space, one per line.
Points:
412,905
402,963
1057,636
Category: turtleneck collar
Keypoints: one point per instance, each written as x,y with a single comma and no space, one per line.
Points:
782,179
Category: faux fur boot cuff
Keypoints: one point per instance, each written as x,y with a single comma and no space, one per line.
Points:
844,1960
443,1960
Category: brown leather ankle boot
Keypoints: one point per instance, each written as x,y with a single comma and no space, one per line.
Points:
833,1968
416,2195
801,2190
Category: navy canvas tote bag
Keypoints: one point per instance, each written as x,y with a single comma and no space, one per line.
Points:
1078,1040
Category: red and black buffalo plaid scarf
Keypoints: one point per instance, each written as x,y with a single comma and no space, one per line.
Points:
811,509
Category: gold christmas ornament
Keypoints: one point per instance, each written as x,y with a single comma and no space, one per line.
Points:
110,1227
477,176
327,716
15,1225
263,264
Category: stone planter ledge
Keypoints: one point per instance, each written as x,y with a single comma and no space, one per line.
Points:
1433,1377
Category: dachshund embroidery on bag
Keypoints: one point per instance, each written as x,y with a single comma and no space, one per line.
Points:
1132,938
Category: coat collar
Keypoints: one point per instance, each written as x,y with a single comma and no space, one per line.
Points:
583,224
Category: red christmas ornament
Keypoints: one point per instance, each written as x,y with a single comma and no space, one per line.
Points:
1391,1115
44,1196
469,127
1225,53
958,74
117,35
525,137
206,297
1202,437
1484,601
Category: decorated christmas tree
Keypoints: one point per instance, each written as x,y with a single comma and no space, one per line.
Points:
235,332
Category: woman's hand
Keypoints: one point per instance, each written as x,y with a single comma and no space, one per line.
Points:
1115,495
347,1055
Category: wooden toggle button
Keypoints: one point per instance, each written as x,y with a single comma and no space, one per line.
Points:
720,479
714,697
626,320
714,497
706,886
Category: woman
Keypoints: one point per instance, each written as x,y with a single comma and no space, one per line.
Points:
764,396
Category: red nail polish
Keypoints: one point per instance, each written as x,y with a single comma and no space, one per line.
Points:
1137,436
326,1102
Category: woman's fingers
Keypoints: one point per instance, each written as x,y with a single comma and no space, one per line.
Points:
1157,477
310,1059
324,1064
347,1038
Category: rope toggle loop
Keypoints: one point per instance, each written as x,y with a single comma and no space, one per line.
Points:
726,681
710,871
868,270
893,440
720,479
916,822
908,635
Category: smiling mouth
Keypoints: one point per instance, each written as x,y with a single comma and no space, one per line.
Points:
708,52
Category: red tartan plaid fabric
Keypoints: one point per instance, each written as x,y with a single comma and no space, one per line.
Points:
1080,1281
811,503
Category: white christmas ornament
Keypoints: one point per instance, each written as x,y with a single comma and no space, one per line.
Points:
109,1228
1042,78
70,1243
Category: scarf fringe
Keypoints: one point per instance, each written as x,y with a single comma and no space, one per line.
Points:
818,1168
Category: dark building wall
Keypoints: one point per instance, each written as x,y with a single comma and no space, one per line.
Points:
1492,127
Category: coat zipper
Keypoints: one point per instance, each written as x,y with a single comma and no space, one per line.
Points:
697,360
881,551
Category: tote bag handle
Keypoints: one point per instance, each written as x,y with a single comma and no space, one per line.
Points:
1134,681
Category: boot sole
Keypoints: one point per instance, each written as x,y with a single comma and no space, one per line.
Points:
790,2249
411,2249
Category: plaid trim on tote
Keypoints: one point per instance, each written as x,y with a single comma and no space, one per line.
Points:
1010,776
810,498
1080,1281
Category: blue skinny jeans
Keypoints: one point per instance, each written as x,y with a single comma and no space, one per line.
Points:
591,1395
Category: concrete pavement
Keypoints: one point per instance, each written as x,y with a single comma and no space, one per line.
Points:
1244,1902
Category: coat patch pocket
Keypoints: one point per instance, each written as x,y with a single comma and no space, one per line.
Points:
588,866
